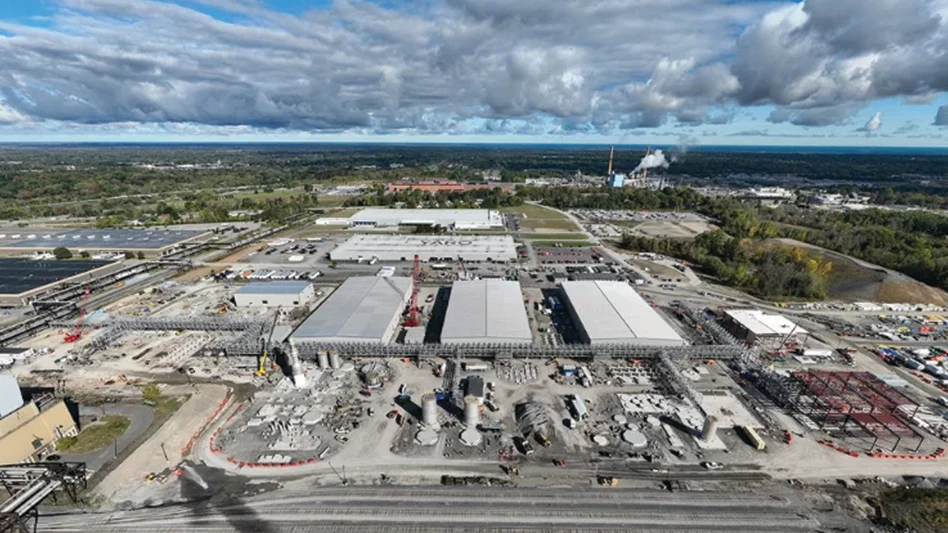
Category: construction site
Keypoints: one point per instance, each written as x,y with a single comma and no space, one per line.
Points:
413,369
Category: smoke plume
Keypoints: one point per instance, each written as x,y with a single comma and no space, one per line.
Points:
653,160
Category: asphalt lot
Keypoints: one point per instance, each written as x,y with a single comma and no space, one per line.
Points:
140,417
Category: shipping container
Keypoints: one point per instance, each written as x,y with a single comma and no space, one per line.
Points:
753,437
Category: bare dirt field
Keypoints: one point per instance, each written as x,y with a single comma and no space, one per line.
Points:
672,229
855,280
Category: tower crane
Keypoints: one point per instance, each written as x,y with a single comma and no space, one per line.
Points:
77,331
265,345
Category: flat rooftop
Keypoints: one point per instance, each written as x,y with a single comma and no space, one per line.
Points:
442,217
362,309
99,239
486,310
612,312
274,287
396,247
764,324
20,275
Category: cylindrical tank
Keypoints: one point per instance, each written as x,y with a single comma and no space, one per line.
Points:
709,429
323,359
472,413
429,410
334,361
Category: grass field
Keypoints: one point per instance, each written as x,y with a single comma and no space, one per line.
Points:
340,213
917,509
534,211
547,223
537,217
109,428
563,243
552,236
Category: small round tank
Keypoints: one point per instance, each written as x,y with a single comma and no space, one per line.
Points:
429,410
334,360
472,413
323,359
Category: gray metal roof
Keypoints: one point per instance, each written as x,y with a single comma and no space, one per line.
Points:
11,398
486,310
611,311
361,309
274,287
105,239
444,217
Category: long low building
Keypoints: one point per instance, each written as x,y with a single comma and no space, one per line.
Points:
607,312
486,311
363,309
274,293
446,218
758,327
429,248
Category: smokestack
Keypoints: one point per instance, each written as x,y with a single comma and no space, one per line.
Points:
612,150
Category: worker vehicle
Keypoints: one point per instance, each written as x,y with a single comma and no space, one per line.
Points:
262,366
711,465
543,440
608,481
558,462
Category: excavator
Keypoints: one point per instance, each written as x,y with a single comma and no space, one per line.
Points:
264,345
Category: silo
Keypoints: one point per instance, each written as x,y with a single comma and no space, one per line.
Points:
472,413
429,410
709,429
299,379
323,359
334,361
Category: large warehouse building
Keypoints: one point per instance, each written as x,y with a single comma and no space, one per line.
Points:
30,429
22,280
363,309
612,312
760,328
274,293
150,241
486,311
474,248
446,218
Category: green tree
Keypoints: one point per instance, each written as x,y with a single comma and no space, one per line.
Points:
84,254
141,255
151,392
129,255
61,252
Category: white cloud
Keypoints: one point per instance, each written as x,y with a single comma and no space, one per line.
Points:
533,65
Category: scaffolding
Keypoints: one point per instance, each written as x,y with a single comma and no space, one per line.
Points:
856,404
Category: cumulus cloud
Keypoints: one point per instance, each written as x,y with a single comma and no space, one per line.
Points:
874,123
941,117
454,65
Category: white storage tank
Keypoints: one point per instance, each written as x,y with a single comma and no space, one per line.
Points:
429,410
472,413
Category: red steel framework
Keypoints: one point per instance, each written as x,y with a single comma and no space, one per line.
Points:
848,401
412,320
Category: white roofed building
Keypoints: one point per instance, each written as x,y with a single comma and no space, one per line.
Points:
447,218
607,312
428,247
761,328
486,311
363,309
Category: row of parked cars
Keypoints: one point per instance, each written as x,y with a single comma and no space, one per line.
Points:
266,274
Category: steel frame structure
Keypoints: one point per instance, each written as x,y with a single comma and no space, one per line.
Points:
29,484
848,400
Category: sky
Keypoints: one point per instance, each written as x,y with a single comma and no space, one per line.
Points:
696,72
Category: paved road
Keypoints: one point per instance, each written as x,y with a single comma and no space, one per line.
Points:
396,508
140,417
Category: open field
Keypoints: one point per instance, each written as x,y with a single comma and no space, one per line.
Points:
553,236
563,243
539,218
109,428
672,229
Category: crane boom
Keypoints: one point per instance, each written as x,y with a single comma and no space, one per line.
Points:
262,366
77,331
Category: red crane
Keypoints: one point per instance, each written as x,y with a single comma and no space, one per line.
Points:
77,332
412,320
